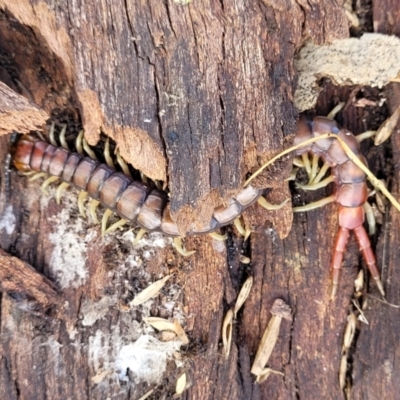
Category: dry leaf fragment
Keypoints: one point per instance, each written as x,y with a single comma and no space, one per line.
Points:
227,332
347,340
180,385
162,324
387,128
150,291
266,372
147,395
243,294
279,310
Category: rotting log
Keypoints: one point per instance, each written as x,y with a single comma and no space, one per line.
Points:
197,95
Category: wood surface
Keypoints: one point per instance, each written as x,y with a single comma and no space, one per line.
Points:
197,95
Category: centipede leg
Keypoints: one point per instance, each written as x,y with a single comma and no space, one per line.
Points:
47,182
369,257
268,206
340,247
60,190
107,214
306,162
115,226
81,199
63,142
51,135
93,207
107,155
122,164
218,237
321,173
78,142
36,176
316,186
138,236
369,213
178,246
314,168
316,204
88,150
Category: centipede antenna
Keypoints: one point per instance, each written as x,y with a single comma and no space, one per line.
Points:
93,207
316,186
88,150
115,226
107,214
314,168
218,236
63,142
51,135
321,173
316,204
78,143
262,201
307,165
107,155
138,236
369,213
37,175
238,223
180,249
81,206
47,182
59,192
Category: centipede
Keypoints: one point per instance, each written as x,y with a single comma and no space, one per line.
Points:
139,203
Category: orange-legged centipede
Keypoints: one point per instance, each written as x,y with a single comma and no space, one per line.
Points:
139,203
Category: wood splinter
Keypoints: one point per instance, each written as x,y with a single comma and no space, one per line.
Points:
31,290
279,310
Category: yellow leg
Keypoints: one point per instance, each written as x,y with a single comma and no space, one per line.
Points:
107,155
298,163
268,206
144,178
122,164
46,183
217,236
292,175
78,143
246,232
336,110
314,168
37,175
63,142
88,150
180,249
115,226
59,191
81,199
107,214
316,186
316,204
321,173
93,207
139,235
51,135
365,135
306,162
29,173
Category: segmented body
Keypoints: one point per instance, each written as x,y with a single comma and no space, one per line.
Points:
139,203
134,201
351,188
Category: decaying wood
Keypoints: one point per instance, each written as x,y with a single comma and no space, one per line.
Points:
197,95
17,113
31,290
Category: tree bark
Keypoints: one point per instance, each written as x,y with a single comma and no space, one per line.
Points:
196,95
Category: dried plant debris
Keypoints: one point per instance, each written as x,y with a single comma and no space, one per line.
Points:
279,310
243,294
150,292
181,385
163,325
350,330
227,332
347,62
386,129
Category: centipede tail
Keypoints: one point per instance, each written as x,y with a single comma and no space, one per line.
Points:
350,188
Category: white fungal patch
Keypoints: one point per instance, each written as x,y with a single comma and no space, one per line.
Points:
68,259
7,220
